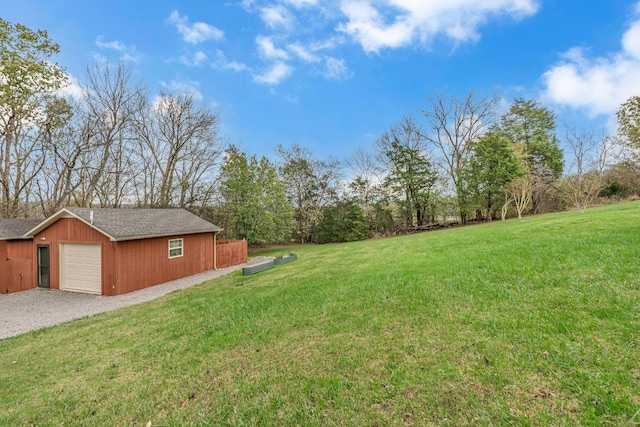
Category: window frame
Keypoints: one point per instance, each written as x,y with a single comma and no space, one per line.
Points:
180,247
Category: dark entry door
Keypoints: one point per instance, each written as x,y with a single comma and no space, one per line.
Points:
43,266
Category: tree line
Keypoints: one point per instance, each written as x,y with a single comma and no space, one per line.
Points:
115,145
458,160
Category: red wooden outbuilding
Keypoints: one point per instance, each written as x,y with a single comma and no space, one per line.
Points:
17,268
114,251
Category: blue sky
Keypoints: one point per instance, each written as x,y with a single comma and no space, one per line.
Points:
333,75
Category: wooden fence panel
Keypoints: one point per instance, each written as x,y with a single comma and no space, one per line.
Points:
17,267
231,252
21,275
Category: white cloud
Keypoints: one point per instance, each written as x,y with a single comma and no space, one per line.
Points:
631,40
195,33
299,4
222,63
99,58
373,24
73,89
328,44
130,57
278,70
598,85
336,69
267,49
274,75
329,67
368,27
186,87
127,53
194,60
115,45
125,57
247,4
306,54
407,21
276,17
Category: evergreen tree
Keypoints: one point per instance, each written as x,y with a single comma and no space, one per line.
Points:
311,185
343,222
255,196
493,165
410,175
533,126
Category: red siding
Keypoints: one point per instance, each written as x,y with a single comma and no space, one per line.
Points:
71,230
22,275
231,252
20,249
17,266
144,263
4,268
126,266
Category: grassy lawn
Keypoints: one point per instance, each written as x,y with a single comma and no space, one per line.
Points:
532,322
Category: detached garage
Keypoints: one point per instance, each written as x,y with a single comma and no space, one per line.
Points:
116,251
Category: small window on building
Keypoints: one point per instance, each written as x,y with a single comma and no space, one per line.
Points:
175,248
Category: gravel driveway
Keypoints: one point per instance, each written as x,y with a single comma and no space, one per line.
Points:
26,311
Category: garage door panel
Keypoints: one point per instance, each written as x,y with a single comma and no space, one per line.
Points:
81,268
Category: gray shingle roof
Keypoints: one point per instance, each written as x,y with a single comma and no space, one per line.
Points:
129,224
16,228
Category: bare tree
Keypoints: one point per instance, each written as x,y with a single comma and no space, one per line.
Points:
115,186
589,149
111,100
519,192
454,124
198,173
180,147
59,178
365,170
26,157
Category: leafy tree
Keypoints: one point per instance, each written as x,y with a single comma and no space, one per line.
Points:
29,80
410,174
623,181
361,190
255,195
343,222
381,218
454,125
533,127
493,165
311,185
629,121
367,188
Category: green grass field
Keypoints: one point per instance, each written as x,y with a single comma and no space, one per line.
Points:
532,322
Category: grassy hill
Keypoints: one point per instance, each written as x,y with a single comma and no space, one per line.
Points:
531,322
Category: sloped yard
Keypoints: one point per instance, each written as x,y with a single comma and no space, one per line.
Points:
532,322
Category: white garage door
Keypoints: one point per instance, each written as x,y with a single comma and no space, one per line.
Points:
81,268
